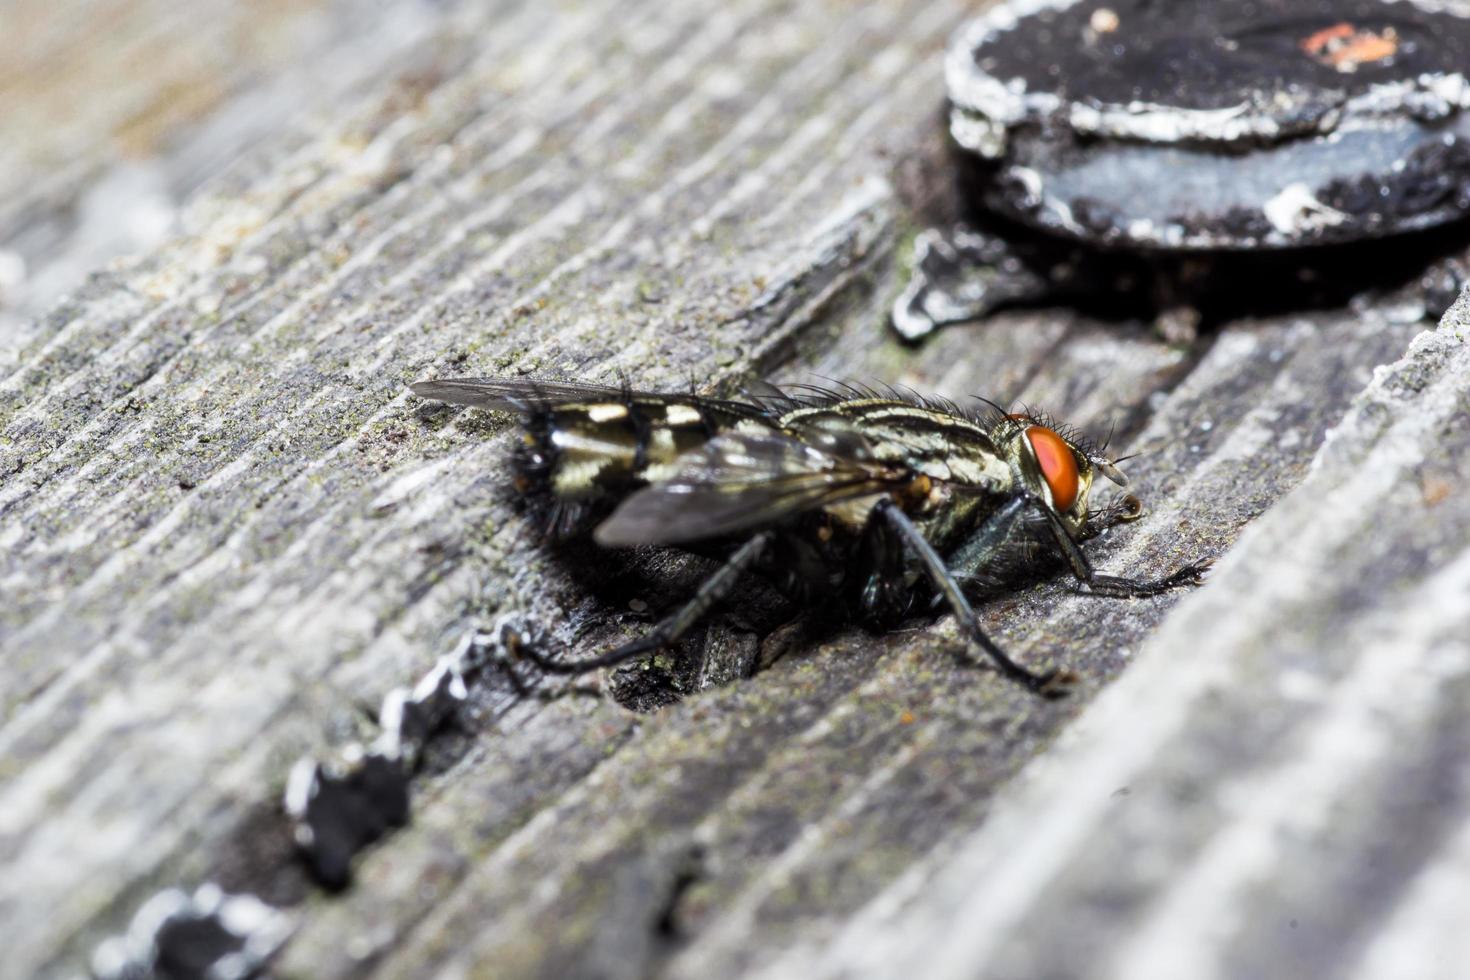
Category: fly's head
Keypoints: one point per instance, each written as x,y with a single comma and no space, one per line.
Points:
1057,466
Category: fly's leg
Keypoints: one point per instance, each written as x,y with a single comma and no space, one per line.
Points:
1116,587
1053,683
510,639
1124,511
982,551
669,630
1089,582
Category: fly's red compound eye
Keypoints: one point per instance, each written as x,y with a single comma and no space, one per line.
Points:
1057,463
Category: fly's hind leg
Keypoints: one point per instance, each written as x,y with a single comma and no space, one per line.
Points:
668,630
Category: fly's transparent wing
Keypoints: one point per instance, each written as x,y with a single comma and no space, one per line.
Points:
511,394
738,481
532,394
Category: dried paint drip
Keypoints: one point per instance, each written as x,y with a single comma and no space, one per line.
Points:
340,805
207,934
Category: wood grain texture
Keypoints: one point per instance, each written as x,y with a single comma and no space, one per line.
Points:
117,111
228,530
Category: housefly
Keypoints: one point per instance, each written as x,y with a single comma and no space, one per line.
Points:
867,503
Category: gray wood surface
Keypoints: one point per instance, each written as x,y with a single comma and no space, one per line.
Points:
228,531
117,110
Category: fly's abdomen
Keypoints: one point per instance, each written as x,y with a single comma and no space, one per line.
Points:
584,457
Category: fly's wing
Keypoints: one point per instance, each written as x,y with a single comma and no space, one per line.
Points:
741,480
511,394
586,447
525,395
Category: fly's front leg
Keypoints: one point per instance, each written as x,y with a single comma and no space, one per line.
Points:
670,629
1124,511
1053,683
1116,587
1089,582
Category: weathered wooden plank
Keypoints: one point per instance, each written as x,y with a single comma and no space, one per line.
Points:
228,532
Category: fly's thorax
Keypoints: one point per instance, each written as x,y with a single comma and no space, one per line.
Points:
949,516
945,465
939,444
